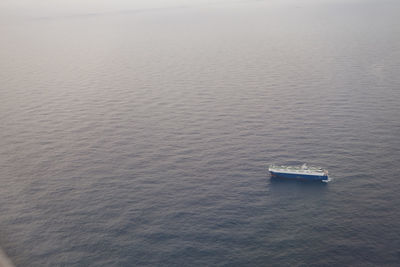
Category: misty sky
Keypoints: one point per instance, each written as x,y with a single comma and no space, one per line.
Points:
39,8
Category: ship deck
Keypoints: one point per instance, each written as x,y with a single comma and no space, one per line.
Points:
298,170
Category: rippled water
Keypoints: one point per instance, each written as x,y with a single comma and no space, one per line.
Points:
142,136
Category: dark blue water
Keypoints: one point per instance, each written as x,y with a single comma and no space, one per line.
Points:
142,136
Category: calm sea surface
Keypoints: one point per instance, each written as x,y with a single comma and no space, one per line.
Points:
141,135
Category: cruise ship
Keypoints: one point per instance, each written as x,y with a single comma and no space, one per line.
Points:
298,172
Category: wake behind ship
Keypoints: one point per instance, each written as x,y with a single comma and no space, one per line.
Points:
299,172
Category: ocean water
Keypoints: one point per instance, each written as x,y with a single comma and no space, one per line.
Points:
140,135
